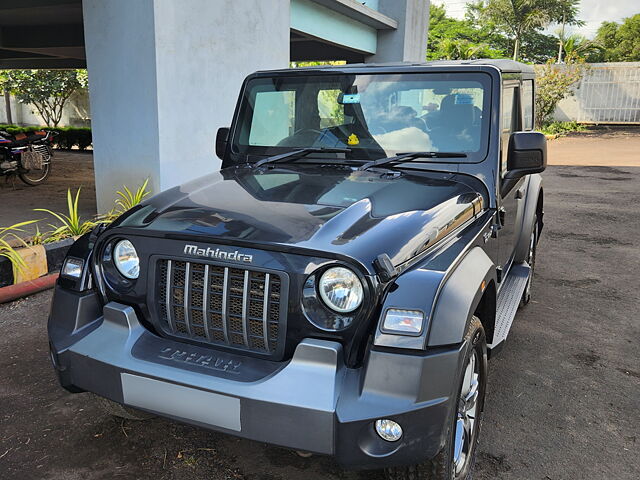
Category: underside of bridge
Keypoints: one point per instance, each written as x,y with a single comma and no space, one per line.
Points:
158,65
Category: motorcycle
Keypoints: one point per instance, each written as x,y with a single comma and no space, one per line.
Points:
28,156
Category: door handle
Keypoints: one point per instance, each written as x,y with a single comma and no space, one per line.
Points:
520,193
502,213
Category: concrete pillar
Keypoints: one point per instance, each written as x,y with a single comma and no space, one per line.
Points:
164,75
409,42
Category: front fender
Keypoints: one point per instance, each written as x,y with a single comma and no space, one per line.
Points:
459,297
533,193
447,299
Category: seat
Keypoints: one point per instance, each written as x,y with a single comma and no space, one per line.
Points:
454,130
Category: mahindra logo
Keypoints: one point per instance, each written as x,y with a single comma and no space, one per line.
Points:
217,254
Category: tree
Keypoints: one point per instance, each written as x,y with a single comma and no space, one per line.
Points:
7,95
538,48
521,18
578,46
454,39
565,13
554,83
461,49
46,90
620,42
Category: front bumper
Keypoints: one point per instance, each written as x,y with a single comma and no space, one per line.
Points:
311,402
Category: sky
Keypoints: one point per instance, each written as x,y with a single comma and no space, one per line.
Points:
593,12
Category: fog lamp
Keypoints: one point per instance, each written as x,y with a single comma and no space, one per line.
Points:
405,322
388,430
72,267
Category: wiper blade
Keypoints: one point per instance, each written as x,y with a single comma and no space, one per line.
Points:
403,157
296,154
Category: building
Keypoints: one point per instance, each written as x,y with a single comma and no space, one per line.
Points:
165,74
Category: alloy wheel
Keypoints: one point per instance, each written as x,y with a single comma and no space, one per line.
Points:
467,415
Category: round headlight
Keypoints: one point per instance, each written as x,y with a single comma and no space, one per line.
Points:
340,289
126,259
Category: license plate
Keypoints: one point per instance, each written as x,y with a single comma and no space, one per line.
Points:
181,402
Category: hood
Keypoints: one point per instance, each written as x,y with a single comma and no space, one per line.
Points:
316,208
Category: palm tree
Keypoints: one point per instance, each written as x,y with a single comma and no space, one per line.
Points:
577,46
460,49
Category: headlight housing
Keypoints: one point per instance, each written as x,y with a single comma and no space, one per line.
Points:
126,259
341,289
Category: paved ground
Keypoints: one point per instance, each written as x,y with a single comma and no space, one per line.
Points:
563,396
611,146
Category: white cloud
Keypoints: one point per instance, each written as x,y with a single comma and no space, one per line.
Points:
593,12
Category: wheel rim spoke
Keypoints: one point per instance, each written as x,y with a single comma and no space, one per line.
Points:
467,409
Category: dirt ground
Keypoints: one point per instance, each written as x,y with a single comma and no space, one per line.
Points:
598,146
563,397
69,170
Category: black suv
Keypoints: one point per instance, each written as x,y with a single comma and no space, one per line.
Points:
336,287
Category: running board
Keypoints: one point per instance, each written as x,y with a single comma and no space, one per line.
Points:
509,301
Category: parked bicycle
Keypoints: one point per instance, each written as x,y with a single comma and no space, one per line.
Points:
27,156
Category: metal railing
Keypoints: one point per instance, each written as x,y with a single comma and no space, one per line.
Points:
609,93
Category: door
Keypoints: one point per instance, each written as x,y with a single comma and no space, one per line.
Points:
510,199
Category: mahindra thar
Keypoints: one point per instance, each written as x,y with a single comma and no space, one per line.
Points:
339,284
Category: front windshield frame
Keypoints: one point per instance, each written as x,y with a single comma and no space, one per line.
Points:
243,152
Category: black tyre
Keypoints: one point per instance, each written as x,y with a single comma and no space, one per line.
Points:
118,410
531,260
456,460
36,177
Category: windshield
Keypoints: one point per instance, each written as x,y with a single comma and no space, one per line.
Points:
375,116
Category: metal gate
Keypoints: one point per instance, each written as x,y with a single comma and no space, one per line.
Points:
610,93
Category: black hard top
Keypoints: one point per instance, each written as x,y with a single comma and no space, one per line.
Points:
504,65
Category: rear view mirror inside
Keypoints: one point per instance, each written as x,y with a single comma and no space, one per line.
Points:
348,98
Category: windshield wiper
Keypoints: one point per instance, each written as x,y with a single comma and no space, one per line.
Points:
403,157
296,154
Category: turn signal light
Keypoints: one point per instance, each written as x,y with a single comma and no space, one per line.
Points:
404,322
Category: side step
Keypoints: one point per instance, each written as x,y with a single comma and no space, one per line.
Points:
508,301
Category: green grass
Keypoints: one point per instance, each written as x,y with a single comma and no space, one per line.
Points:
562,128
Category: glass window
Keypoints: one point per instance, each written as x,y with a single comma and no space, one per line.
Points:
273,117
509,123
330,111
374,116
507,110
527,104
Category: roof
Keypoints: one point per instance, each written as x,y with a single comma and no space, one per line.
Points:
504,65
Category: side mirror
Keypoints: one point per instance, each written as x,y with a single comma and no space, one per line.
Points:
222,139
527,154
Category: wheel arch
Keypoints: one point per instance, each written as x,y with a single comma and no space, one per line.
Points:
470,288
533,205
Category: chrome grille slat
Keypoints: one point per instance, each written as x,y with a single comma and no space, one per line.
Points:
231,305
205,302
225,297
265,311
245,301
186,303
169,296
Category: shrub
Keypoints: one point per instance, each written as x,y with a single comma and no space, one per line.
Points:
6,249
66,138
561,128
71,224
553,84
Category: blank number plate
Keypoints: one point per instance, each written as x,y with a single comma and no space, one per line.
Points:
182,402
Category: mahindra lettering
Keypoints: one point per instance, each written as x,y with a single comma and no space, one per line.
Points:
339,284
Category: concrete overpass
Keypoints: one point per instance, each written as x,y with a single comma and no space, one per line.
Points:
165,74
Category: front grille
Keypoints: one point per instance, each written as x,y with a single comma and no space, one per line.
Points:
235,307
